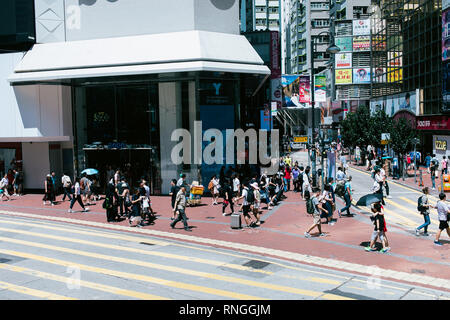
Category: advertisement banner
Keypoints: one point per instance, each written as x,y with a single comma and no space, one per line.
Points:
433,123
343,60
274,109
379,75
394,59
400,102
344,76
304,91
344,43
275,61
361,43
446,35
276,89
266,119
394,74
290,84
361,75
320,88
361,27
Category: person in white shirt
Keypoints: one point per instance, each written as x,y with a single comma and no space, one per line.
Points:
4,187
216,193
340,176
236,185
380,181
67,184
385,183
77,197
306,185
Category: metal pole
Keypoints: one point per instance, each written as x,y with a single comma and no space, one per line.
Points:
415,179
313,141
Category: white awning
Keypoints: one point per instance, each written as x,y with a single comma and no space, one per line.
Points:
137,55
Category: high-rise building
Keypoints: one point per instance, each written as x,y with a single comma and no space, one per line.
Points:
260,15
410,63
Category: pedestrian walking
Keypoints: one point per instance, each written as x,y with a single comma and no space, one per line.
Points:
378,221
379,180
423,206
180,209
306,181
122,190
15,182
248,200
347,196
67,185
236,185
173,193
49,191
287,178
215,189
384,178
444,165
295,174
108,203
256,203
433,171
227,197
4,188
135,219
444,217
357,155
327,203
313,207
77,196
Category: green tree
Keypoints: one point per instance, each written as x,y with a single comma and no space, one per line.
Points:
402,134
380,123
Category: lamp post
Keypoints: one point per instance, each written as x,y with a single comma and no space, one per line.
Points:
332,49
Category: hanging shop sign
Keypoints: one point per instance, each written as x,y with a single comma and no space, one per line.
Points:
361,43
361,27
320,88
304,91
343,60
344,76
361,75
344,43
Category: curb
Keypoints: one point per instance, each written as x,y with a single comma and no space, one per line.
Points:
297,257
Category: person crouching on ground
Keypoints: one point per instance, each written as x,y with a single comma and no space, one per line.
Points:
180,209
378,221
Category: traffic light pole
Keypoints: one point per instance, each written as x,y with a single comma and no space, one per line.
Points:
313,126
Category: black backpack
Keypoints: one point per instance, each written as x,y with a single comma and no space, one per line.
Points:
250,196
420,207
340,190
310,206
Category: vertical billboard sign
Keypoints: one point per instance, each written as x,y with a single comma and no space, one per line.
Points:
361,75
344,43
361,43
446,55
343,60
304,91
343,76
291,86
320,88
275,64
361,27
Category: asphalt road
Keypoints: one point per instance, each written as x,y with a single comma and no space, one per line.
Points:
52,260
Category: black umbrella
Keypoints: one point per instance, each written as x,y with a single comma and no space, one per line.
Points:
368,199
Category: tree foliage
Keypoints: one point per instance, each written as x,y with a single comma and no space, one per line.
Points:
402,134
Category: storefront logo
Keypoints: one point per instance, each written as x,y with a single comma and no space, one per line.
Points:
223,4
441,145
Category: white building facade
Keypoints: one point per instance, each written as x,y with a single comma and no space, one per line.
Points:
108,82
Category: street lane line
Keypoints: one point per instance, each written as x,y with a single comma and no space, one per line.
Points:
417,213
159,254
294,256
134,276
32,292
86,284
179,270
314,279
100,234
392,219
398,184
405,209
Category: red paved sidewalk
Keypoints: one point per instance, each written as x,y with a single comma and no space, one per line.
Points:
283,230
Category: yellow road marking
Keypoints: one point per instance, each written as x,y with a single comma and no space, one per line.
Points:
397,184
169,268
396,218
134,276
32,292
160,254
86,284
357,288
168,255
329,296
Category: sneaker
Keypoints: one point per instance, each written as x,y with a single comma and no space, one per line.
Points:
323,235
69,211
368,249
224,214
307,235
417,232
389,197
384,250
438,243
426,234
332,223
188,229
172,226
86,210
139,226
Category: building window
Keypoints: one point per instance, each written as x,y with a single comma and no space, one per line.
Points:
320,23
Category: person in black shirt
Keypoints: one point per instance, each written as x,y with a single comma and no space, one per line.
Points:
135,215
109,206
173,192
227,197
378,221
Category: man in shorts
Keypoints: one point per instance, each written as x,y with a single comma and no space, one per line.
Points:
316,214
247,206
443,213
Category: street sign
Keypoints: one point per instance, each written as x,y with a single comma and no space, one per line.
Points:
301,139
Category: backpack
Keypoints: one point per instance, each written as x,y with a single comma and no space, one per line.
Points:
210,185
420,208
340,189
250,196
107,204
310,206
